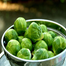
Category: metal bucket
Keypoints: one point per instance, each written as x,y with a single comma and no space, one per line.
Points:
57,60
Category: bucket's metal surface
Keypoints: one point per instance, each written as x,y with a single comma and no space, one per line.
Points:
57,60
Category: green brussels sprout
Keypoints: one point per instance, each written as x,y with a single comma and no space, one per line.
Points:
44,28
48,39
13,46
26,43
26,33
11,34
34,32
20,39
59,44
53,34
41,44
24,53
33,52
40,54
50,54
20,25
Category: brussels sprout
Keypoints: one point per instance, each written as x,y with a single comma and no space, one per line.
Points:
33,52
50,54
11,34
44,28
20,25
40,54
34,32
26,33
24,53
26,43
59,44
41,44
20,39
13,46
48,38
53,34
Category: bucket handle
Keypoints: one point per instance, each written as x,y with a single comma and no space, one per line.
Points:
1,54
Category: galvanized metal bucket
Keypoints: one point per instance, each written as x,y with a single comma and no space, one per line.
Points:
57,60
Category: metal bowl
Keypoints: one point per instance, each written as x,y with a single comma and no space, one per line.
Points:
57,60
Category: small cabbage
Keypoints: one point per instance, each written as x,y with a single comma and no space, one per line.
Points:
26,43
24,53
40,54
20,25
20,39
26,33
11,34
48,39
53,34
44,28
34,32
41,44
50,54
13,46
59,44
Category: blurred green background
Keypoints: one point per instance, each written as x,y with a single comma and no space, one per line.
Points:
31,9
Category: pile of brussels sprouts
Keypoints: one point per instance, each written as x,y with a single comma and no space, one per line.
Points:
34,42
